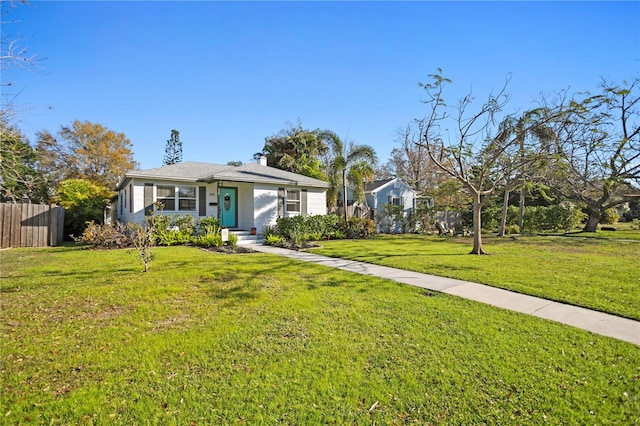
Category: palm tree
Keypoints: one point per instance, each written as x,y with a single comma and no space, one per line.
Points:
351,164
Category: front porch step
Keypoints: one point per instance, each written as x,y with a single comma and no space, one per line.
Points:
245,237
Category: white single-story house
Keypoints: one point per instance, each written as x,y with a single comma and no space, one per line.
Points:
241,197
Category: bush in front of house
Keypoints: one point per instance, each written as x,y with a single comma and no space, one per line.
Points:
166,231
102,236
359,228
298,230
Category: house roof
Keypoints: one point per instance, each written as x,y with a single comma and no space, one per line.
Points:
192,171
372,186
378,184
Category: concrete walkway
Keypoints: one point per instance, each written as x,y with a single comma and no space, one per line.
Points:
594,321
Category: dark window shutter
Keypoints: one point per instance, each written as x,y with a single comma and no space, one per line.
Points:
202,200
130,198
280,202
303,202
148,199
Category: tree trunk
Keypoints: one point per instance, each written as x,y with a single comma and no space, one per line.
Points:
344,193
521,212
594,219
477,225
505,210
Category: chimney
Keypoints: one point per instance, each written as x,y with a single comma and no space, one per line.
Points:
262,160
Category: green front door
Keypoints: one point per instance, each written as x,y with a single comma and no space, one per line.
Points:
228,207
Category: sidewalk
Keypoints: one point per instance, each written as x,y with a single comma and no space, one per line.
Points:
594,321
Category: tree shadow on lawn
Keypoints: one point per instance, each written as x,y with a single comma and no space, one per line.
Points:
83,275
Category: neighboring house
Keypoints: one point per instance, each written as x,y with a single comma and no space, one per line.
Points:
241,197
390,191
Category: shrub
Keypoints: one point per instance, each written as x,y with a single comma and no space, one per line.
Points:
610,216
208,225
172,237
185,224
273,240
390,217
268,232
105,236
313,236
208,240
338,234
512,229
359,228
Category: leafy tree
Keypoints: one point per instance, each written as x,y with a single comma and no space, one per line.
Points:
84,202
86,151
18,175
296,150
352,164
173,149
480,157
597,145
528,130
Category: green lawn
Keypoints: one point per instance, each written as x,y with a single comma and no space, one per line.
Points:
601,274
208,338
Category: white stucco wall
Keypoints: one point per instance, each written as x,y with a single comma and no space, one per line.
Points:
316,201
265,199
245,205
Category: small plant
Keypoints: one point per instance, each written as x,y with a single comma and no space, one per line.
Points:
512,229
313,236
635,224
208,240
268,231
185,224
273,240
143,240
208,225
233,242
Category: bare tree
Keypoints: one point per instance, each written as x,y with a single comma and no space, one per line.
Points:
13,53
411,162
479,153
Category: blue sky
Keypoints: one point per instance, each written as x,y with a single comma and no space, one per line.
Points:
229,74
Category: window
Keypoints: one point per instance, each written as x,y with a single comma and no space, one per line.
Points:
293,201
130,198
187,198
167,196
395,201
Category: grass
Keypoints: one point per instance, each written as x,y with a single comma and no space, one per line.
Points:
207,338
601,274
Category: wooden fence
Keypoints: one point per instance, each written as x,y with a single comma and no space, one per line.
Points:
31,225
